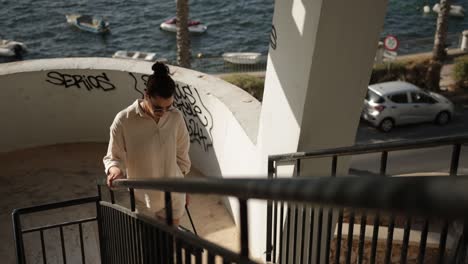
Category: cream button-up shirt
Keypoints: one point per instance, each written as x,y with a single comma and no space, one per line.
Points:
142,148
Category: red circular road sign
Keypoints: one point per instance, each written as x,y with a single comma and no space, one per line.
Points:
391,43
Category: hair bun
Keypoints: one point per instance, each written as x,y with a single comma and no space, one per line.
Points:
160,69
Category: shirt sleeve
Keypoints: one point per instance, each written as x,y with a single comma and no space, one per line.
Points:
116,152
183,147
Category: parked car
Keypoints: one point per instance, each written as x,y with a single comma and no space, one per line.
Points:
396,103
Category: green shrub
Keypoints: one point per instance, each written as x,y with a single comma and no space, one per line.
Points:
251,84
388,72
412,71
460,71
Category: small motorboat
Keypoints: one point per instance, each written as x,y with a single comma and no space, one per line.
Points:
88,23
10,48
242,57
138,55
194,26
455,10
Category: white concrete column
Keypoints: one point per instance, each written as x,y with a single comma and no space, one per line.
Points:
319,65
464,42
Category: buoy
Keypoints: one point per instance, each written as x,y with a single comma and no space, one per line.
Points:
427,9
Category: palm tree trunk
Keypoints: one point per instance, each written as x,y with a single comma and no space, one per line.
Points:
183,37
438,53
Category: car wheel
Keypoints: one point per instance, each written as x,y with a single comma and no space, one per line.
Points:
442,118
386,125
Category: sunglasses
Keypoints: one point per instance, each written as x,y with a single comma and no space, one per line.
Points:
159,109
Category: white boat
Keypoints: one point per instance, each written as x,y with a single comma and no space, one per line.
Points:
138,55
194,26
455,10
242,57
10,48
88,23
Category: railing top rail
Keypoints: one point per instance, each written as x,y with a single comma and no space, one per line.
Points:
422,195
50,206
373,148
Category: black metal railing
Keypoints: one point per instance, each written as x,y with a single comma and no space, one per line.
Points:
322,223
301,215
129,237
19,231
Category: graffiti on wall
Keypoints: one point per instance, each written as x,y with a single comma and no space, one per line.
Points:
273,37
198,119
89,82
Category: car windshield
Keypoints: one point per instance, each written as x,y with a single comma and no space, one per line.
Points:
373,97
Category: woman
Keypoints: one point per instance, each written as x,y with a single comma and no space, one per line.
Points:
149,139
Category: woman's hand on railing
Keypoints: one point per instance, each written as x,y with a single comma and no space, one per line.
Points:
114,174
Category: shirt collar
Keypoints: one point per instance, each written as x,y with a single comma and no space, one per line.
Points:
137,107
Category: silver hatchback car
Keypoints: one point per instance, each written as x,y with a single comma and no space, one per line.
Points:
397,103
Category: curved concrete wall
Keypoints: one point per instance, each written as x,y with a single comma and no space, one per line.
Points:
54,101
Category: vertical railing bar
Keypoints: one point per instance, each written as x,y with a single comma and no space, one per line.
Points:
455,159
211,258
422,245
383,163
80,228
136,239
406,234
145,233
288,231
121,238
350,237
159,245
99,220
44,256
18,238
171,247
105,235
334,165
131,248
388,250
301,260
168,202
443,241
198,257
269,215
125,237
121,256
329,231
244,228
115,236
188,255
362,236
311,234
375,236
275,229
132,199
319,234
139,241
338,236
178,252
112,196
281,230
62,244
296,216
330,214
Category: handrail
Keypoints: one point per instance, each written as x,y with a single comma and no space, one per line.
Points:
421,195
371,148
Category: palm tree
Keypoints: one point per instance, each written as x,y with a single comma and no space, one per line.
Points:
438,52
183,37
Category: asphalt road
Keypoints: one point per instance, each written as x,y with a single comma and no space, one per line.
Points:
412,161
